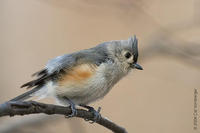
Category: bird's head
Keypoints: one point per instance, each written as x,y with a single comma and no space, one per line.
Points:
126,52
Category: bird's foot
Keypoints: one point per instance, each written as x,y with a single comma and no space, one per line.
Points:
74,111
96,114
73,108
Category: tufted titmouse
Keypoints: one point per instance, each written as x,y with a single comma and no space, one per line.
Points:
83,77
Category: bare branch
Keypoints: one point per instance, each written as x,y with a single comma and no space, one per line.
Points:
13,108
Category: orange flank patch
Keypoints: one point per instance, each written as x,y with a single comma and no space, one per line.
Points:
78,74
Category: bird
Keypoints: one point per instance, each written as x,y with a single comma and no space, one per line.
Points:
80,78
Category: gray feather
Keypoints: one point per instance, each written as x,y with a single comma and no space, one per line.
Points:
62,64
26,95
94,55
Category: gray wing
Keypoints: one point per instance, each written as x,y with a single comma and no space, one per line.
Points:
62,64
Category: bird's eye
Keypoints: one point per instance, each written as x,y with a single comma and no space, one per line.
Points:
128,55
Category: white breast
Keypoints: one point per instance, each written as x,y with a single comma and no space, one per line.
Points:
88,90
84,91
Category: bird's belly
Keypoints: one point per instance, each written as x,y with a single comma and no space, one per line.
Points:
84,92
89,84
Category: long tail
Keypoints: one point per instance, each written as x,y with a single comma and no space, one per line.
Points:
26,95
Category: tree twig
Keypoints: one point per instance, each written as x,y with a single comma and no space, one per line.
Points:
13,108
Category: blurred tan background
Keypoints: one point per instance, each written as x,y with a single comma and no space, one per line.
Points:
159,99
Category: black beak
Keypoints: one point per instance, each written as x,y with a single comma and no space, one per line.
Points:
137,66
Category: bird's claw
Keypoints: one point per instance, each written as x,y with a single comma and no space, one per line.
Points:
74,112
96,114
73,108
